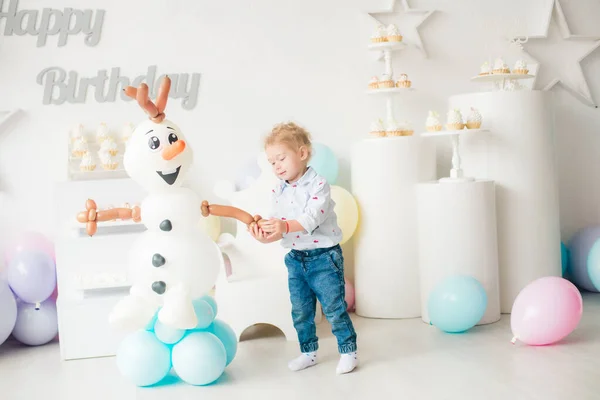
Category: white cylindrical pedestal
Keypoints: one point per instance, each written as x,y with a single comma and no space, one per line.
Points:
457,236
518,154
384,176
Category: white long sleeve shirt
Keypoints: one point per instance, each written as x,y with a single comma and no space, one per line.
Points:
309,202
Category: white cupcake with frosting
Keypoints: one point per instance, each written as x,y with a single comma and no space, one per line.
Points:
392,34
380,35
377,128
77,132
520,67
108,161
433,124
374,83
102,133
87,163
454,120
500,67
485,69
406,128
474,119
127,131
80,147
403,81
109,146
393,128
387,81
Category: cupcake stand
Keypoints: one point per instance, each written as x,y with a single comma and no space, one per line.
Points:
456,229
518,154
384,174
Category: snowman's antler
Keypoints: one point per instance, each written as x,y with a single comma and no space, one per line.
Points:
155,111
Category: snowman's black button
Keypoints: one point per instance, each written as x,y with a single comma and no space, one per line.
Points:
158,260
159,287
166,225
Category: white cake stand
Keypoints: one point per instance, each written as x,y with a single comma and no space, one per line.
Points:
456,173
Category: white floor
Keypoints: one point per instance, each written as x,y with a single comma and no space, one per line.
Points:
401,359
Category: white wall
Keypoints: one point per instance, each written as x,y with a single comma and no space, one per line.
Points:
262,62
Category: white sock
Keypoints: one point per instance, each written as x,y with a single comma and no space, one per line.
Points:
347,363
303,361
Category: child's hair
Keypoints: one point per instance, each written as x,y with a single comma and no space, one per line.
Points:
291,134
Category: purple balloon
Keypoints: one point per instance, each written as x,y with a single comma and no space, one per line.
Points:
32,276
8,311
35,327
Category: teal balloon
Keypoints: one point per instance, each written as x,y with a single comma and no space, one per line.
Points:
167,334
150,326
212,302
227,336
204,312
143,359
564,258
324,162
457,304
593,265
199,359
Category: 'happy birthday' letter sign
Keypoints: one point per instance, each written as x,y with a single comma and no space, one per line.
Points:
52,22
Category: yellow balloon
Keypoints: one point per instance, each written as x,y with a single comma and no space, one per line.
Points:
212,226
346,210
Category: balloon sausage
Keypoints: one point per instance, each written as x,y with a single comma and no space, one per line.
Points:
230,212
91,216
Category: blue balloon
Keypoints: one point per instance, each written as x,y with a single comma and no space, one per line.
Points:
227,336
8,311
583,260
167,334
457,304
152,323
593,265
204,313
200,358
325,162
564,258
143,359
212,302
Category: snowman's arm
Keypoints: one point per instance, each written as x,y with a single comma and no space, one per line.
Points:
228,212
92,216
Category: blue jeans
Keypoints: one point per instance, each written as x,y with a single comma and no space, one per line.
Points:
319,275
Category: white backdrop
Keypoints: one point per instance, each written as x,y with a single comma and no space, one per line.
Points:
262,62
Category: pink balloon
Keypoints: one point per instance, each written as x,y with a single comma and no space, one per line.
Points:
349,296
546,311
30,241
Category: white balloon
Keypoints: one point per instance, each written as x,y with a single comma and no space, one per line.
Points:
180,206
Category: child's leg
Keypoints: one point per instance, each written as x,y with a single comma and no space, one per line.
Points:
326,277
304,303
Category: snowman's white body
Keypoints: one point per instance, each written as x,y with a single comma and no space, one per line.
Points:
174,261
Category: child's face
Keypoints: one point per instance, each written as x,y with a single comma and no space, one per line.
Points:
288,164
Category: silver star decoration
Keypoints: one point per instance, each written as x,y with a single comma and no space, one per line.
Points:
407,20
567,47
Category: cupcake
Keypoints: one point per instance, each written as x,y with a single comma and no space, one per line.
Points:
377,128
102,133
520,67
474,119
387,81
380,35
500,67
108,161
77,132
374,83
87,163
433,123
127,131
393,128
485,69
392,34
406,128
455,120
109,146
403,81
80,147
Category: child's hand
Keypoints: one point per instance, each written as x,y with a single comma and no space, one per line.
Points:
275,227
258,234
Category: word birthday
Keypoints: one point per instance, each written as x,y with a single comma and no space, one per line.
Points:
52,22
60,86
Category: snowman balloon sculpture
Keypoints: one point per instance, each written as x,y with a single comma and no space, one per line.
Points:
174,262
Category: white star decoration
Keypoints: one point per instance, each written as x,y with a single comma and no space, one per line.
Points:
566,48
408,21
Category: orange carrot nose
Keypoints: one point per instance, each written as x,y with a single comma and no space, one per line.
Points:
173,150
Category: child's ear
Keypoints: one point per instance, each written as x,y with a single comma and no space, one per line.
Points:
303,153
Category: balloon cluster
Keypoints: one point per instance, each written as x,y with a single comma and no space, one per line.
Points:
27,301
198,356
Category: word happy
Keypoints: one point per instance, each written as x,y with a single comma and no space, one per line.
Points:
60,86
52,22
